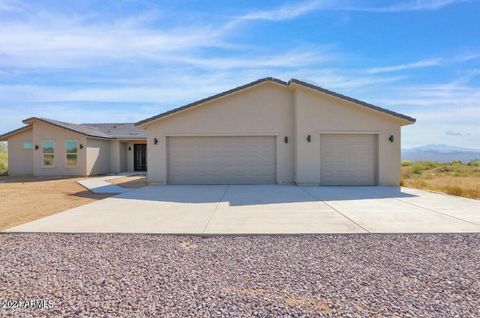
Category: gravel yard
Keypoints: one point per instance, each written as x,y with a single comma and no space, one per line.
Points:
265,276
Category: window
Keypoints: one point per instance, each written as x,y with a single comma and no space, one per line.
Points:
28,145
71,153
48,148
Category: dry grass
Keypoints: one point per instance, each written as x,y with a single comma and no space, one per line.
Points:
452,178
27,199
130,182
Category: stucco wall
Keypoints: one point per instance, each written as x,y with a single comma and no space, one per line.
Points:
43,131
20,161
262,110
115,156
292,112
318,113
123,157
98,156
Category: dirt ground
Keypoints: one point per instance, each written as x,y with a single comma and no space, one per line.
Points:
27,199
131,182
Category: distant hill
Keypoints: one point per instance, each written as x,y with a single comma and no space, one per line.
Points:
440,153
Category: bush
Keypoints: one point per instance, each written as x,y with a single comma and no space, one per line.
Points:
419,167
406,163
456,162
3,163
474,163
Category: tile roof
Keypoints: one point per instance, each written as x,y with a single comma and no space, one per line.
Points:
103,131
119,131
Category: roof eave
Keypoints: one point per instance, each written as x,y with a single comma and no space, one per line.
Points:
407,120
9,134
30,121
143,123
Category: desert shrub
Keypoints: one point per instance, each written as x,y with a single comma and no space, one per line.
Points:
419,167
406,163
443,168
474,163
456,162
3,163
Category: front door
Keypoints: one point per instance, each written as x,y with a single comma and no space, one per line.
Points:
140,157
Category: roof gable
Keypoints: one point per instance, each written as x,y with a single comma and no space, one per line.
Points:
101,130
9,134
280,82
80,129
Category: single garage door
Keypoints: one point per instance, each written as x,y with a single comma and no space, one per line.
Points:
348,159
221,160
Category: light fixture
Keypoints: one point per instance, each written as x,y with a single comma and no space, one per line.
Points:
155,141
36,147
391,138
309,138
129,148
81,146
285,139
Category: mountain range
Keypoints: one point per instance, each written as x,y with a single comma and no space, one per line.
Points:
440,153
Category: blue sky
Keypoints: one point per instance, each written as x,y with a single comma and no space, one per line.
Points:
122,61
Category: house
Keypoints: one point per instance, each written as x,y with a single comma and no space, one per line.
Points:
265,132
46,147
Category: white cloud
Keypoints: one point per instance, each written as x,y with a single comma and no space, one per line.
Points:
286,12
291,11
408,66
415,5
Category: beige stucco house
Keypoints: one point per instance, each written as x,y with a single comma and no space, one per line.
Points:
270,131
46,147
264,132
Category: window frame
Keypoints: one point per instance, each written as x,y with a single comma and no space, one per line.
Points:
43,153
27,142
71,153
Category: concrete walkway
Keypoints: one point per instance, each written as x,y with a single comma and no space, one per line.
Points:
269,209
100,185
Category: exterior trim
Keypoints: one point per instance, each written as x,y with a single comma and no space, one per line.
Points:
28,120
221,134
9,134
351,99
213,97
277,81
348,132
65,154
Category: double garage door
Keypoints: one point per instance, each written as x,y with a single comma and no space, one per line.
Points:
345,159
221,160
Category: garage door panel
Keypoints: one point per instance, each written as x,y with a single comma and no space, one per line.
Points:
348,159
221,160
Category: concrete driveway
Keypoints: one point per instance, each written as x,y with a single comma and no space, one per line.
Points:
269,209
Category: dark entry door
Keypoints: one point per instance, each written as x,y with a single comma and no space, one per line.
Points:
140,157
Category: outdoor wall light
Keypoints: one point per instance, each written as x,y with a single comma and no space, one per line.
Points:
155,141
81,146
391,138
36,147
285,139
129,148
309,138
